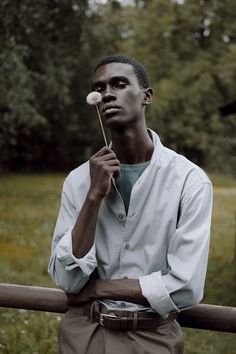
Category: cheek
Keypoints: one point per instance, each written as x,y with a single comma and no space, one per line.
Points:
133,101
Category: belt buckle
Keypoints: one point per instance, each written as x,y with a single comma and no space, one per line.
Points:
102,315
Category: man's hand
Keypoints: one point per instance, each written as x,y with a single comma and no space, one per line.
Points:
103,165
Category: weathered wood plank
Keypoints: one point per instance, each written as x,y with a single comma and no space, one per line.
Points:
203,316
211,317
33,298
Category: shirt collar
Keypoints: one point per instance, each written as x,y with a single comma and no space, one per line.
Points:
158,147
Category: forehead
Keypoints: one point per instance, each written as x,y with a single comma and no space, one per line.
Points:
107,71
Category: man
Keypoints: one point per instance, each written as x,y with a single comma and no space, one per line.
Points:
137,213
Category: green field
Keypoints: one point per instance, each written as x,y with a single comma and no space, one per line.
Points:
28,209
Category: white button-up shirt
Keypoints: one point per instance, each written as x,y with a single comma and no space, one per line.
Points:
163,240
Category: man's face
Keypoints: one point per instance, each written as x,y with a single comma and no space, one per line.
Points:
122,97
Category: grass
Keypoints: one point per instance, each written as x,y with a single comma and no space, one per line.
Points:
28,208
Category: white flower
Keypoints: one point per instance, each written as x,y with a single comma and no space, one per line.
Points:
94,98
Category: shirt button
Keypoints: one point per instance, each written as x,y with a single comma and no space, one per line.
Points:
121,216
127,246
122,304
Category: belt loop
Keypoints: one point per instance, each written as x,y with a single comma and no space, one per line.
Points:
91,311
135,321
124,323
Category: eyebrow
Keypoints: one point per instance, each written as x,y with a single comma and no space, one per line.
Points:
112,79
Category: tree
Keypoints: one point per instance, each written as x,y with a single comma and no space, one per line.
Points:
189,49
41,42
49,49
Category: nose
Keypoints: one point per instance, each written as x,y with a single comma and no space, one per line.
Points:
108,96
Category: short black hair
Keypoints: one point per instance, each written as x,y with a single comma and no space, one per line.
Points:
139,69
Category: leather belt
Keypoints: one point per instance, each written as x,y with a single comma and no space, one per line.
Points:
124,320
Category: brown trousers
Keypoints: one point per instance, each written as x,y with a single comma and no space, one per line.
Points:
78,335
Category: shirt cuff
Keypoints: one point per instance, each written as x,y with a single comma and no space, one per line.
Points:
64,254
154,290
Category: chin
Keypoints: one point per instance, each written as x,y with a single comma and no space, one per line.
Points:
112,120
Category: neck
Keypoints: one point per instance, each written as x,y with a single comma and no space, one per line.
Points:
131,145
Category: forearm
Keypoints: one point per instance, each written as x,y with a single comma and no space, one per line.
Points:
121,290
84,230
102,167
118,290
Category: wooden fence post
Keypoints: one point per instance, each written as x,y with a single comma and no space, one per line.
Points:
203,316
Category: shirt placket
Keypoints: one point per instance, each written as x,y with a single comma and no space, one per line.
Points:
126,247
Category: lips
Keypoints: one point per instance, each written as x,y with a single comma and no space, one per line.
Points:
110,109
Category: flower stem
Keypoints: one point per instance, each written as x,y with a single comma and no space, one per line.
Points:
100,120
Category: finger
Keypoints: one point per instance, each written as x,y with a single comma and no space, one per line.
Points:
110,170
116,174
103,151
107,157
110,162
114,162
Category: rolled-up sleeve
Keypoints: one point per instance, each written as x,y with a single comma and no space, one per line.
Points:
183,285
68,272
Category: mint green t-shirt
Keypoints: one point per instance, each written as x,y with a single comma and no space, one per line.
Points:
129,174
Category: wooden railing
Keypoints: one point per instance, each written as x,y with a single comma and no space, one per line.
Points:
211,317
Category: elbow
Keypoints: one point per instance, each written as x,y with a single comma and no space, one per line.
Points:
193,297
71,284
189,289
70,281
187,297
68,288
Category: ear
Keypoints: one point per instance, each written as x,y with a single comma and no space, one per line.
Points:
147,96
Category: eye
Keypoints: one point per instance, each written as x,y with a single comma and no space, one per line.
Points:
98,88
120,84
